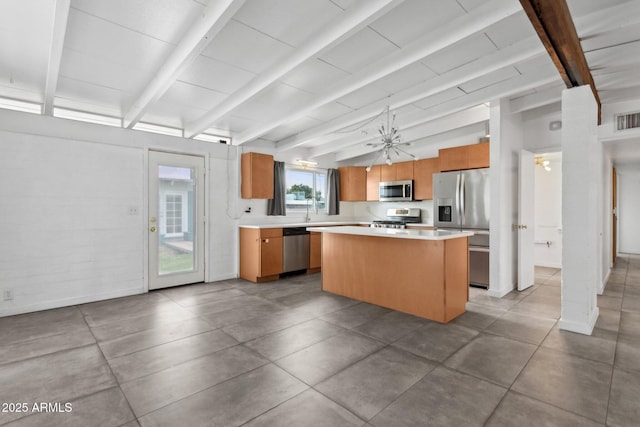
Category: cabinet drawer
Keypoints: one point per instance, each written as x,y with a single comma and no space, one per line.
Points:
270,232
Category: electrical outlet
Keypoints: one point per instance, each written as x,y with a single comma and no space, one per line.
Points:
8,295
133,210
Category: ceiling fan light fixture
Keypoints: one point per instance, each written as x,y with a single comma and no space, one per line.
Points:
390,140
540,161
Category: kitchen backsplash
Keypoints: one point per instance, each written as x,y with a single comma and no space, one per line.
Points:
368,211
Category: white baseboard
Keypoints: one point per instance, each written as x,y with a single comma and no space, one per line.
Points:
578,327
498,293
65,302
603,284
225,276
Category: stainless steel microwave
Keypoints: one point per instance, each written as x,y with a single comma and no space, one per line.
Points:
395,191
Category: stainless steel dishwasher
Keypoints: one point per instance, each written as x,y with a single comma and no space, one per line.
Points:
295,246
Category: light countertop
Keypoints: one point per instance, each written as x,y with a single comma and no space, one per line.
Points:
322,224
305,224
394,232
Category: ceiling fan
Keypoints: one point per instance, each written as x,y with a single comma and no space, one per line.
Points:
390,141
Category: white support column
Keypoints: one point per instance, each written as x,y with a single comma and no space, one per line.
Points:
506,142
581,188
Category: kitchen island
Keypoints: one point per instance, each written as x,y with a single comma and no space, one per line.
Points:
420,272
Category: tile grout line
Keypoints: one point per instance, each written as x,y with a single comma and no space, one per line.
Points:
615,355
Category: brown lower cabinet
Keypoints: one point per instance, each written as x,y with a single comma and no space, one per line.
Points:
260,254
315,252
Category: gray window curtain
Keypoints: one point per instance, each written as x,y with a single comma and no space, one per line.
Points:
275,206
333,191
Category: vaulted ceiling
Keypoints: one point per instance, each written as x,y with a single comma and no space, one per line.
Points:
291,73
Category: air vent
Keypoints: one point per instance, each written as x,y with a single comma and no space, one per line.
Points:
628,121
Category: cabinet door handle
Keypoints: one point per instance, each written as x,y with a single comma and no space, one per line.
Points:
266,240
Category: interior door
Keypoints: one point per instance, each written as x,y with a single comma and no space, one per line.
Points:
176,219
525,226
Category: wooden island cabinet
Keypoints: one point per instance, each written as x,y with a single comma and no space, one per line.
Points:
420,272
260,254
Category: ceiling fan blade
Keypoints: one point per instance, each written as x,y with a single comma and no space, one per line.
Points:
408,154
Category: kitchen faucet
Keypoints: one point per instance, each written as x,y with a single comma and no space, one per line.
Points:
307,218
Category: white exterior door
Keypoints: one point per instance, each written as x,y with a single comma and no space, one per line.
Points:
526,197
176,219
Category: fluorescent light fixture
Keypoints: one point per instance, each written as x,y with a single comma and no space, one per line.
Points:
82,116
164,130
14,104
306,162
213,138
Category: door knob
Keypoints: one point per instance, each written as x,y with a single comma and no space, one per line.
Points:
153,229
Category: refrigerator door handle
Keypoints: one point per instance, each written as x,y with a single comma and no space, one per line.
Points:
458,196
463,189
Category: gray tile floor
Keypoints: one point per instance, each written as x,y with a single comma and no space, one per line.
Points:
286,354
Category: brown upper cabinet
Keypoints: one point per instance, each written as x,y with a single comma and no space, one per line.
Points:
396,172
373,181
257,176
353,184
423,171
466,157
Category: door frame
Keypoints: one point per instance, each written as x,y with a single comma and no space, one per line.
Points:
145,209
614,215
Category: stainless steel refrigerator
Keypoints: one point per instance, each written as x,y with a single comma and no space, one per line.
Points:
461,202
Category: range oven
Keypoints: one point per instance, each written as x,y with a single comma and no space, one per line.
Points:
398,218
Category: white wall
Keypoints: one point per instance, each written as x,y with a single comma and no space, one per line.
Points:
67,188
538,138
628,209
548,214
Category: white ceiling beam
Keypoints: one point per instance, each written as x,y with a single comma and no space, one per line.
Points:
538,99
353,20
416,128
508,56
59,30
508,88
438,39
212,20
612,19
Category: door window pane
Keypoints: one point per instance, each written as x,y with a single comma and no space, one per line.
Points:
176,220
